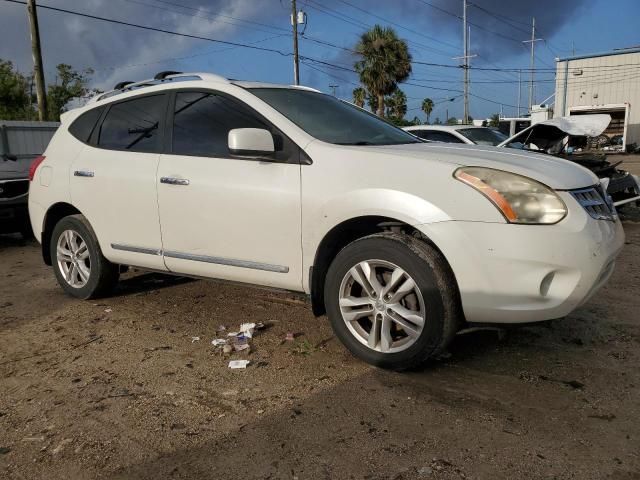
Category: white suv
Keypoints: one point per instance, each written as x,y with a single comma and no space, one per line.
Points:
400,242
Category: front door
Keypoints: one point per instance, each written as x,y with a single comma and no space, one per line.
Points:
113,181
223,216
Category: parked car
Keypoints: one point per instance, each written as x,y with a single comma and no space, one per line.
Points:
399,241
20,143
458,134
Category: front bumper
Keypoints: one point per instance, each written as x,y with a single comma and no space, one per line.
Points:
526,273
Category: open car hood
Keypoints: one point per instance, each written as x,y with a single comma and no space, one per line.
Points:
548,133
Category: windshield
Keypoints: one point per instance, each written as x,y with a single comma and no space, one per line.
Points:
331,120
484,136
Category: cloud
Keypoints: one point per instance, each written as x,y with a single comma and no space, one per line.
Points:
112,49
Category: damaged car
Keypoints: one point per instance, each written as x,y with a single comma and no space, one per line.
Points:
568,138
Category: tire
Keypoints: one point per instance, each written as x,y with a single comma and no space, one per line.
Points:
434,297
98,277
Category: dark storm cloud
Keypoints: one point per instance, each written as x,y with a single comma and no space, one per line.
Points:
112,49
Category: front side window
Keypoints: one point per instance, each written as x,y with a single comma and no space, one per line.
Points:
202,121
331,120
133,125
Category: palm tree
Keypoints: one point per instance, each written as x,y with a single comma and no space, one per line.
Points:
494,120
359,96
396,104
427,107
385,61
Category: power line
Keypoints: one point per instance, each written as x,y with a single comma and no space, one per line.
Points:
154,29
367,12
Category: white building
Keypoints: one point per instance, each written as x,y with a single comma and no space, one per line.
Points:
602,83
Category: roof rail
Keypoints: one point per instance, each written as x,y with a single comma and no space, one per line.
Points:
160,78
165,74
121,85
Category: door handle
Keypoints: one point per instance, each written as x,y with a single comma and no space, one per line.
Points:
174,181
83,173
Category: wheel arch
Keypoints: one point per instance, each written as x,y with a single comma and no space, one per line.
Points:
54,214
343,234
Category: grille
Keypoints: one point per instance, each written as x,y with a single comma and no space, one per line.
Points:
596,202
13,188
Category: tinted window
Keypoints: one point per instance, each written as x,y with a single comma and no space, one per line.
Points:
133,125
202,121
331,120
437,136
484,136
85,123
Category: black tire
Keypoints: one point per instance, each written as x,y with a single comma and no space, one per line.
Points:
431,274
103,275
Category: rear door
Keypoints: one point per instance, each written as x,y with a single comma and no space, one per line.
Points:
226,216
113,180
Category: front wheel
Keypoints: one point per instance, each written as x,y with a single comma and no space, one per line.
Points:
392,300
79,266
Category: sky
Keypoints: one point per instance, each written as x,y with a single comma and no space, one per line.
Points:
432,29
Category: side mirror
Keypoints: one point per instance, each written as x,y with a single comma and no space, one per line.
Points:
8,156
251,142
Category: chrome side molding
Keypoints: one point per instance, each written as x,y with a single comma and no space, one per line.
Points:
232,262
130,248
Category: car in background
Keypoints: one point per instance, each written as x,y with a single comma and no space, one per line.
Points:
458,134
20,143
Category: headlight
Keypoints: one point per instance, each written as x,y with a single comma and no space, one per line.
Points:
520,199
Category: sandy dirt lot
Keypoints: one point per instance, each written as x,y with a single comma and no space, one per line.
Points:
119,388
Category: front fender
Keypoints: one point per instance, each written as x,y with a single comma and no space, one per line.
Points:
369,202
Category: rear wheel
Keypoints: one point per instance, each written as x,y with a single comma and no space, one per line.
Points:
392,300
79,266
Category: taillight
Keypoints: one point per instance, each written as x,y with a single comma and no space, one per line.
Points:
34,166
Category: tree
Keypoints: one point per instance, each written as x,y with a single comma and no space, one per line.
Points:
396,104
359,96
437,121
494,120
15,100
70,85
427,107
452,121
385,61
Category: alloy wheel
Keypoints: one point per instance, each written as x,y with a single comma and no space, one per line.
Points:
382,306
73,258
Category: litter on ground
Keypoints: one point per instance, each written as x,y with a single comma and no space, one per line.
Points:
234,364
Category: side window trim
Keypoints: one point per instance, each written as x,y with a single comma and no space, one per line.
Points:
296,154
95,135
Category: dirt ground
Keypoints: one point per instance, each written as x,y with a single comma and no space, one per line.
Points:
120,388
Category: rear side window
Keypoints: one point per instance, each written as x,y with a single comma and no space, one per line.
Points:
437,136
202,120
83,126
133,125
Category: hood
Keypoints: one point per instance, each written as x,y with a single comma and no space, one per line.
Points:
554,172
548,133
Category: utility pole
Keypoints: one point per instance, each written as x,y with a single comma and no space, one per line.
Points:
519,90
465,60
465,118
333,88
294,22
532,63
38,71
